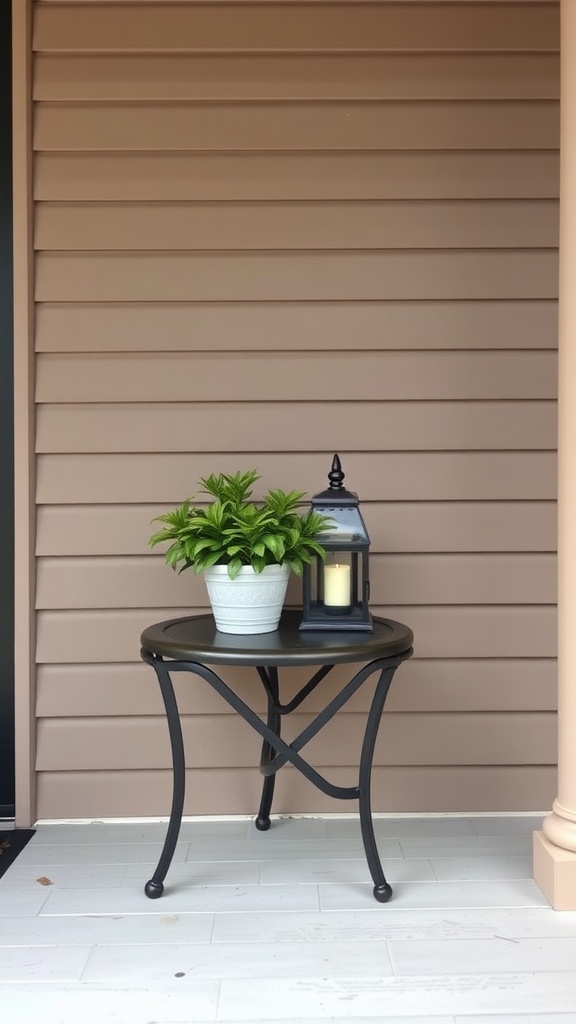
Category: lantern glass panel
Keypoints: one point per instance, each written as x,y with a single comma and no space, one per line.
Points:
348,528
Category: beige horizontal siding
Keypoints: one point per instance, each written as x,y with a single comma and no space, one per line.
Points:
78,479
272,276
500,631
323,225
393,526
266,232
232,327
403,790
225,741
259,26
296,77
405,426
289,377
77,691
434,124
528,174
409,579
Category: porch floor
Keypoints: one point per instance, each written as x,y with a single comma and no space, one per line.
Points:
282,926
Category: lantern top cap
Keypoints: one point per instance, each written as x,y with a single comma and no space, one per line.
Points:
336,493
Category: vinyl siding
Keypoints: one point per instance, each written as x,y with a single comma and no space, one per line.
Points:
266,232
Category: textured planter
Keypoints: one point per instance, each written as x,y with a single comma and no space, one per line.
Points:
250,603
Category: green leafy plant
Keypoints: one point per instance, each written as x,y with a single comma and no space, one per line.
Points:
233,530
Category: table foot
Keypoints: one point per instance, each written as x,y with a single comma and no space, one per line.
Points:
382,893
153,889
263,816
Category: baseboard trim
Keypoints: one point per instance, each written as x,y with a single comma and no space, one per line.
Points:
282,817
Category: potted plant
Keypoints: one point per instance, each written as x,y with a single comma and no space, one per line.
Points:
244,549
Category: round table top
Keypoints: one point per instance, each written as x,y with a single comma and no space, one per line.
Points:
196,638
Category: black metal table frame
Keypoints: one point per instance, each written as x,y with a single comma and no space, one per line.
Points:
275,751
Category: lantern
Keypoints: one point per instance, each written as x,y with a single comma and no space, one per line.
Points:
335,592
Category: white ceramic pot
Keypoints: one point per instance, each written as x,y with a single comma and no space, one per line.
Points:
250,603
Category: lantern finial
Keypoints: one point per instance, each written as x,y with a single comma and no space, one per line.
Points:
336,476
336,493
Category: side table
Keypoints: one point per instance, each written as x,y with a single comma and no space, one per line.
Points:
193,644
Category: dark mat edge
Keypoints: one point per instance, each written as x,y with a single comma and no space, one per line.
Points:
12,842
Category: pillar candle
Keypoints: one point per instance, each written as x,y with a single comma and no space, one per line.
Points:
337,585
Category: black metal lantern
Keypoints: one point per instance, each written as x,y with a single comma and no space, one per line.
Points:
335,592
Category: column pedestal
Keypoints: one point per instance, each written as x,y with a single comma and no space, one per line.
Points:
555,872
555,857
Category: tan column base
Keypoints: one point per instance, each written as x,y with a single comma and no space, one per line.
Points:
555,873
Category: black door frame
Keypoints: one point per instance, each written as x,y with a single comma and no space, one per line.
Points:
7,777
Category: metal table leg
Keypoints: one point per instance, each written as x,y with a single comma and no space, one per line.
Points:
270,678
155,887
382,889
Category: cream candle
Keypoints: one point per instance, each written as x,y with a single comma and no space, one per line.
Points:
337,586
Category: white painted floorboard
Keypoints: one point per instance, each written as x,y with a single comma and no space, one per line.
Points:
282,926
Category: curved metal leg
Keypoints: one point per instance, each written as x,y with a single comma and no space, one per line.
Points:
273,722
382,890
155,887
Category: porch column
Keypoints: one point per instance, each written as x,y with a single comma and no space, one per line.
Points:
555,846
